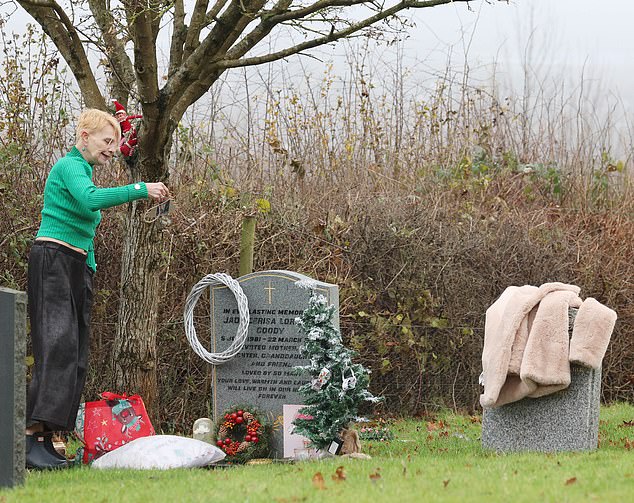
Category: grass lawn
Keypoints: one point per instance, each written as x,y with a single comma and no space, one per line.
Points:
438,459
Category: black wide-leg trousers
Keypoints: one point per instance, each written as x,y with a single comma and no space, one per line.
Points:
59,302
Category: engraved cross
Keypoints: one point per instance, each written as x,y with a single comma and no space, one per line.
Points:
269,289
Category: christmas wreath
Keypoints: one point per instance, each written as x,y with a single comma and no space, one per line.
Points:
242,435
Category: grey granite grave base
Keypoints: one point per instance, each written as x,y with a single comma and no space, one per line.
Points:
564,421
12,386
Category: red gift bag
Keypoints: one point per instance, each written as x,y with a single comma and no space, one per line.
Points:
106,424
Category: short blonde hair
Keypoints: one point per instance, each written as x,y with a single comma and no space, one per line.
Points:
92,120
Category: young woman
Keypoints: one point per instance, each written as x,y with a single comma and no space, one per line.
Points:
60,278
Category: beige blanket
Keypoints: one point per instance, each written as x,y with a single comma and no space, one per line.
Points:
527,350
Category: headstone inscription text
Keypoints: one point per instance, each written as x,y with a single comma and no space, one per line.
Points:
262,374
12,386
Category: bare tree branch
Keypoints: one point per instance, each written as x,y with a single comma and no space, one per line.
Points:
248,43
56,24
261,31
190,90
114,49
194,63
215,10
143,20
231,23
197,23
304,12
249,10
179,35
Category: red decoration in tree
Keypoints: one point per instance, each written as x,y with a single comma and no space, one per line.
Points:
128,131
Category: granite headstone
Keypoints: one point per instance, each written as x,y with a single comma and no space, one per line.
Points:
564,421
12,386
262,375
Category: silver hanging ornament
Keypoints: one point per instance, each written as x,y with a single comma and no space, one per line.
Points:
348,382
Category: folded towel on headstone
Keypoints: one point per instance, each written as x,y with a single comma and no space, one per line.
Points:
527,351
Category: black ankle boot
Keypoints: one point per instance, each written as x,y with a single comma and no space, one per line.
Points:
38,455
48,444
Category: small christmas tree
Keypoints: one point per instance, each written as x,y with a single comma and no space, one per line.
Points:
337,387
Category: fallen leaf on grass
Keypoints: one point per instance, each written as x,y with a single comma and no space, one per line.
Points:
340,474
475,419
445,482
375,476
571,481
318,481
628,444
439,425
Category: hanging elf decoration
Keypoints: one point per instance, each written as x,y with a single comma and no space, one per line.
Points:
337,386
128,131
242,435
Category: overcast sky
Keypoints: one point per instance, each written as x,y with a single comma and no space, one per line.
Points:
566,37
572,36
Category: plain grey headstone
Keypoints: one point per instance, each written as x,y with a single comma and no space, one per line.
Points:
262,375
564,421
12,386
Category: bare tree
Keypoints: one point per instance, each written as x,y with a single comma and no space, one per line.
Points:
221,35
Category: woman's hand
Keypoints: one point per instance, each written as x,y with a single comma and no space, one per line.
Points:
157,191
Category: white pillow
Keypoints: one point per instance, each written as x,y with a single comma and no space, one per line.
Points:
160,452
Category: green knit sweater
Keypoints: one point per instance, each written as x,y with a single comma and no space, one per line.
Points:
72,203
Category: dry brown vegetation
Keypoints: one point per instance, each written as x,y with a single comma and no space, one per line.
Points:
422,211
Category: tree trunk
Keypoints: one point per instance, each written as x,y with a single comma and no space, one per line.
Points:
134,354
134,349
